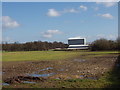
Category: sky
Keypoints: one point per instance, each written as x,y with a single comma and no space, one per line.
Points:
57,21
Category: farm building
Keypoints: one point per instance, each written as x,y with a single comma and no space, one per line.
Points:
77,43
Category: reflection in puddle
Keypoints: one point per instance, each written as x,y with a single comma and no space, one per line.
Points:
5,84
80,60
46,69
41,75
28,82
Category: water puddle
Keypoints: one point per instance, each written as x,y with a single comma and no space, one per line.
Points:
2,73
49,68
42,75
83,77
61,70
80,60
5,84
28,82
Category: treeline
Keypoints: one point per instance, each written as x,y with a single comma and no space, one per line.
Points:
97,45
33,46
104,44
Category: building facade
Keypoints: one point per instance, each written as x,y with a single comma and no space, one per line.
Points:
77,43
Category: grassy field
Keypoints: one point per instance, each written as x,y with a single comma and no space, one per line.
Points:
47,55
110,79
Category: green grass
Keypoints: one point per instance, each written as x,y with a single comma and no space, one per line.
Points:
38,55
47,55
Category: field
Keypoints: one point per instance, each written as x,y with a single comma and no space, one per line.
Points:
61,69
46,55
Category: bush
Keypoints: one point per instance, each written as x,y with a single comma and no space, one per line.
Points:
103,44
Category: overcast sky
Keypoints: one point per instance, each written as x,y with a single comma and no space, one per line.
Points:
33,21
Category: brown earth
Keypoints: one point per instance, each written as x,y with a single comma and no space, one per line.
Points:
91,68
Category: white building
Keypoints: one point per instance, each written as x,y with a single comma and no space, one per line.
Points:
77,43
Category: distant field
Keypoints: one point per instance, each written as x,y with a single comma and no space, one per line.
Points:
47,55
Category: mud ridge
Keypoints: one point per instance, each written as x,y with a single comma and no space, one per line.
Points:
21,79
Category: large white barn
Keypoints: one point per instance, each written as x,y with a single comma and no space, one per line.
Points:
77,43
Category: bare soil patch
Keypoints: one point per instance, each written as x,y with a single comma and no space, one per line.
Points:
41,71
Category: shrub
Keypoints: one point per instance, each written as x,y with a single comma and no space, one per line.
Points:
103,44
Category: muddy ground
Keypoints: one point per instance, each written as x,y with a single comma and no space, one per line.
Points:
40,71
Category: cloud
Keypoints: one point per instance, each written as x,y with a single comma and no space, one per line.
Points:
107,4
107,15
83,7
50,33
72,10
8,22
110,36
53,13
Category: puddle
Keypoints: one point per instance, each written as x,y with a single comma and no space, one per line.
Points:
46,69
2,73
82,76
42,75
5,84
61,70
80,60
28,82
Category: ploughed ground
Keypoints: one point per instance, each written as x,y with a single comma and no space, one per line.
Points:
16,73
